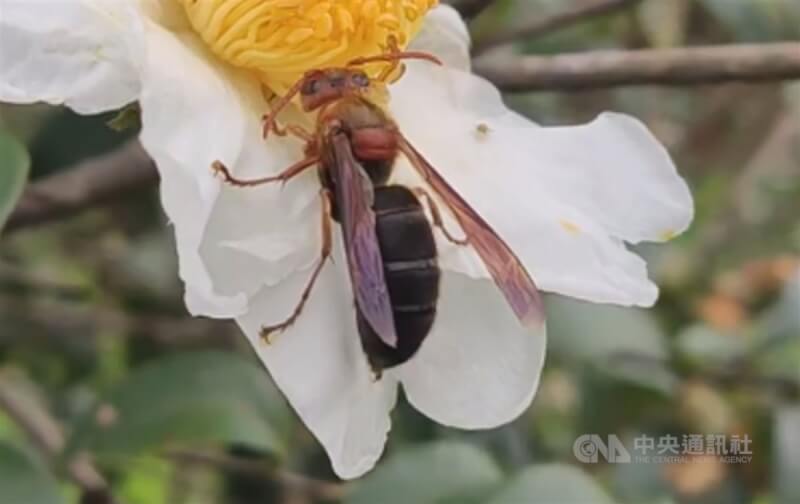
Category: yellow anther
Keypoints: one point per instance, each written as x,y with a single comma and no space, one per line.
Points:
279,40
346,23
323,28
370,9
411,12
388,21
299,35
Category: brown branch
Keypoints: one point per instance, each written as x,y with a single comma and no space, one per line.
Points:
316,489
544,26
470,9
45,434
117,174
64,318
667,67
88,184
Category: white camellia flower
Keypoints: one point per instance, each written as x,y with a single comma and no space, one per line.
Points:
567,199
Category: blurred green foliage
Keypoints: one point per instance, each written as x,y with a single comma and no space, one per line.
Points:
15,164
196,398
23,479
176,410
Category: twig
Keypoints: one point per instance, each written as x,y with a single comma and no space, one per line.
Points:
471,8
737,372
666,67
45,434
128,169
543,26
317,489
88,184
64,318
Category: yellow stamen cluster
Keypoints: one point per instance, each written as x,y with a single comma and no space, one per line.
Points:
282,39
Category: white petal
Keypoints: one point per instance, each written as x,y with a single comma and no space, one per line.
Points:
179,133
320,367
563,198
194,112
82,53
616,171
478,368
445,35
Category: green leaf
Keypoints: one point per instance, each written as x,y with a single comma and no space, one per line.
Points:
625,343
705,347
431,473
128,118
776,350
787,459
147,480
15,164
552,484
641,483
24,480
194,398
665,23
757,21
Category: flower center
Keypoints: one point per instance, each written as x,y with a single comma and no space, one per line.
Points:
282,39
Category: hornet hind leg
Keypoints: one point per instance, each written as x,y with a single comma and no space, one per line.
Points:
267,332
436,215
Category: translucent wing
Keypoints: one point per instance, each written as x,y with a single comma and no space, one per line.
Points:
507,271
354,199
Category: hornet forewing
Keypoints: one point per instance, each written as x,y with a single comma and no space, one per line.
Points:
508,273
354,197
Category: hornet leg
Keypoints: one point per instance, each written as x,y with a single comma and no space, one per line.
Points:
436,215
270,123
283,177
393,56
294,130
327,244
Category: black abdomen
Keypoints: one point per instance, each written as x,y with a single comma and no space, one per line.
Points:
412,275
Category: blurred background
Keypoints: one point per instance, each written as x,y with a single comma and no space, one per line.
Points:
98,355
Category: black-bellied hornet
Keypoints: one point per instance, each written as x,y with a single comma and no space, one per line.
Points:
388,239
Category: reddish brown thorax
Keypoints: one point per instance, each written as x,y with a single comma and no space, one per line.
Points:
323,87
